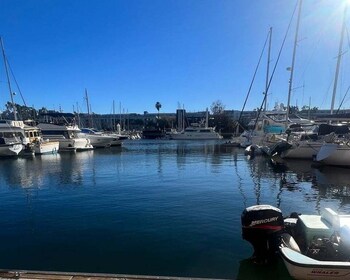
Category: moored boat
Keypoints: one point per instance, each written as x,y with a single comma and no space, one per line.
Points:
66,135
11,137
97,138
196,133
311,246
36,143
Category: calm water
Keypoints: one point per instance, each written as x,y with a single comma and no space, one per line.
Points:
151,207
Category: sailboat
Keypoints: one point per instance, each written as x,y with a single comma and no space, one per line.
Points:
338,152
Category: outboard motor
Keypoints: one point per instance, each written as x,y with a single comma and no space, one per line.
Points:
261,226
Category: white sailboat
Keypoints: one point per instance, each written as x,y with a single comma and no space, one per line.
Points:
337,153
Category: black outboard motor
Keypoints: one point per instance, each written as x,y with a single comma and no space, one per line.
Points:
261,226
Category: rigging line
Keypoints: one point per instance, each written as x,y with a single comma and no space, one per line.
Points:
256,70
341,103
14,78
274,68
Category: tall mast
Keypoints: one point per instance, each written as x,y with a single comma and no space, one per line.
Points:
267,70
293,62
340,50
206,118
88,107
8,80
113,116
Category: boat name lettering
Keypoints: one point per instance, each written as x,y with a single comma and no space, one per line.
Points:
263,221
321,271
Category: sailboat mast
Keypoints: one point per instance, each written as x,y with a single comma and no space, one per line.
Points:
8,80
293,62
206,118
113,116
268,70
88,107
340,50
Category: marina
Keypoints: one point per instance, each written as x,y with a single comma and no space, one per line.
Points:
227,157
151,207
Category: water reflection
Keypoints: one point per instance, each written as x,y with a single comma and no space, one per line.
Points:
159,193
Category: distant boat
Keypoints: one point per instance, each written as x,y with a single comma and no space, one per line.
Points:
66,135
196,133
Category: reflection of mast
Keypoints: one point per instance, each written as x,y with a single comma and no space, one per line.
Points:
338,60
8,80
293,62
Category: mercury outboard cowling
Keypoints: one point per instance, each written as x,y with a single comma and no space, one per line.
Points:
261,226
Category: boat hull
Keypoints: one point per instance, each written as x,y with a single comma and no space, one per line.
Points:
46,147
7,150
334,154
303,267
304,150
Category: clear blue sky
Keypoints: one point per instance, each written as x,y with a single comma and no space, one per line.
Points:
177,52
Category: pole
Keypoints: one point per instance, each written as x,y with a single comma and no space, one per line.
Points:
293,62
268,69
338,60
8,80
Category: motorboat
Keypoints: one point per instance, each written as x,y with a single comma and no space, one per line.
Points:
66,135
196,133
97,138
35,141
311,246
11,136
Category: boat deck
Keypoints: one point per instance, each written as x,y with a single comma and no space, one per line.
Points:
41,275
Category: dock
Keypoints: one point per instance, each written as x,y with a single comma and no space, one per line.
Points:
52,275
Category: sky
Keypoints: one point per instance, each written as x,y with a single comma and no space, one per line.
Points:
181,53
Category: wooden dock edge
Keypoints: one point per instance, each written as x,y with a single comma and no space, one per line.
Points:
10,274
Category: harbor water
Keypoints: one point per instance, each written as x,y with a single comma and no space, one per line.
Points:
152,207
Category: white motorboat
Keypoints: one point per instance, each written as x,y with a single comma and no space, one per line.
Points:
97,138
311,246
11,136
66,135
34,139
196,133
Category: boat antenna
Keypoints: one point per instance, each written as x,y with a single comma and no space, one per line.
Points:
340,50
8,80
293,62
274,68
341,103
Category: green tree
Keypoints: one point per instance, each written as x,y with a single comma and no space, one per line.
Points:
217,107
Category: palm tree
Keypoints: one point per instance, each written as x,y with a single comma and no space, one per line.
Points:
158,106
